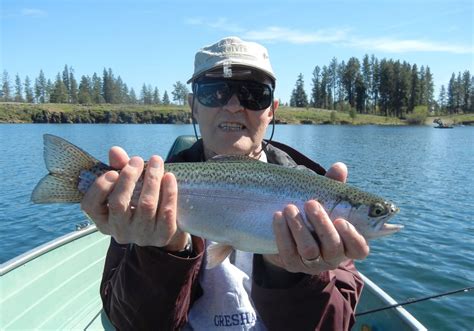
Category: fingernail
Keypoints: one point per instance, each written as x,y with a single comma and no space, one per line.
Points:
154,162
111,176
135,162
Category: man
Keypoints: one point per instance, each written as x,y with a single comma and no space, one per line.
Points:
153,277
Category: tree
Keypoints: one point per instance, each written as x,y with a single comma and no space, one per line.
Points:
299,97
316,90
73,97
84,95
59,93
66,81
156,97
18,89
133,96
29,96
146,95
350,75
40,88
466,91
6,91
166,98
96,92
442,98
180,93
332,82
415,89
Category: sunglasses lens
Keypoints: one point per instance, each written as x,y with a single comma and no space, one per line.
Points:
252,95
213,94
255,96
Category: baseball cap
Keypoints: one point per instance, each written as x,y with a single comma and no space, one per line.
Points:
232,54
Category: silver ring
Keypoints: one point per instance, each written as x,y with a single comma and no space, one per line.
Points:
311,263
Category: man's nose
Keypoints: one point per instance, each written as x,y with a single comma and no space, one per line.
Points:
233,105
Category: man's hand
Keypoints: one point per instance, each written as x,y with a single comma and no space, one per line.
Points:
152,222
336,241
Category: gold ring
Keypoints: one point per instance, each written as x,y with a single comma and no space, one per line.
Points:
311,263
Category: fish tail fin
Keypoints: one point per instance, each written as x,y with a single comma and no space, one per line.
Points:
54,188
217,253
64,162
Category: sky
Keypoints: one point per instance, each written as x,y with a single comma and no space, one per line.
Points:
154,42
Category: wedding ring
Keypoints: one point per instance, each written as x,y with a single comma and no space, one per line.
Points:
311,263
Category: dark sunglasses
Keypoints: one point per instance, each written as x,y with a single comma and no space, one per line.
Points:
252,95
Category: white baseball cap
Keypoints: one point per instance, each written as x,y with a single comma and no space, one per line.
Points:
229,53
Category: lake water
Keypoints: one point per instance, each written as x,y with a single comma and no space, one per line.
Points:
427,172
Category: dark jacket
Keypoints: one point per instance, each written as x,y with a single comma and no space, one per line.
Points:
145,288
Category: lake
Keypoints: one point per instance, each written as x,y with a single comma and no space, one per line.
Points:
427,172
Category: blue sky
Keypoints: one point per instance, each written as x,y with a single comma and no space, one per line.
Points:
154,42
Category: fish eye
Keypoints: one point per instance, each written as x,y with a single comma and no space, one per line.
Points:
377,210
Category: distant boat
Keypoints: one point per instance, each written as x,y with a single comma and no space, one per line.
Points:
441,125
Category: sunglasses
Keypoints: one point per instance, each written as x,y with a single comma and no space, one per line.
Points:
252,95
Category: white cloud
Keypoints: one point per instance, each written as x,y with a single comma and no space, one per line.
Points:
340,37
407,45
33,12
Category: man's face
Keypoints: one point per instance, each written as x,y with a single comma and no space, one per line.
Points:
231,128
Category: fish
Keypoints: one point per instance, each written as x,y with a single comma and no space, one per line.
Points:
229,200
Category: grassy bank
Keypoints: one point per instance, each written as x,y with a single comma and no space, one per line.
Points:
107,113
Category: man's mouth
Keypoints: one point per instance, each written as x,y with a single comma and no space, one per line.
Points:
231,126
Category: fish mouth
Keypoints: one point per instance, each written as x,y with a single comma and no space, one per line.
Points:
383,228
231,126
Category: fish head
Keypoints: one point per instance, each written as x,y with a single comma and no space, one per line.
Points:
370,219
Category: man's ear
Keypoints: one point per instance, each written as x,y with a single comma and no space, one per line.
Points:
276,103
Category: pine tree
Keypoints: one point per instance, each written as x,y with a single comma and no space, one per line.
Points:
59,93
133,96
84,95
66,81
18,89
166,98
29,96
466,91
40,88
332,82
442,101
73,92
316,90
349,79
452,91
156,97
299,97
415,89
96,92
6,91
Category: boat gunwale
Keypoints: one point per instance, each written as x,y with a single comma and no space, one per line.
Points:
384,296
32,254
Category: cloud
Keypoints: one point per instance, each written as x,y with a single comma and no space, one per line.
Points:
408,45
281,34
338,37
33,12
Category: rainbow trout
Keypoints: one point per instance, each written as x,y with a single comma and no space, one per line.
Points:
229,199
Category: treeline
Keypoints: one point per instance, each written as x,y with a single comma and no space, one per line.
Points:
385,87
93,89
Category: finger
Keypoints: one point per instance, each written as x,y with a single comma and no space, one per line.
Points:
94,203
338,171
286,246
355,245
330,242
166,225
120,198
118,158
305,243
148,201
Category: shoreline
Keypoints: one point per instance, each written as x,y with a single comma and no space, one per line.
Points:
23,113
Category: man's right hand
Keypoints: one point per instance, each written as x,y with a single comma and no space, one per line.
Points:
152,222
